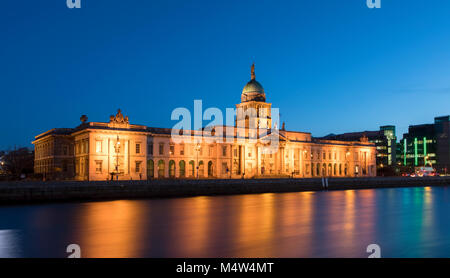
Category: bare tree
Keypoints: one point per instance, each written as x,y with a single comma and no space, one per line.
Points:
17,162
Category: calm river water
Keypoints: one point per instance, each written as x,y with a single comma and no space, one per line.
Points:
404,222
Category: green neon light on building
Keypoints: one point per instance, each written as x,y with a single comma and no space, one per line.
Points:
405,150
425,151
416,158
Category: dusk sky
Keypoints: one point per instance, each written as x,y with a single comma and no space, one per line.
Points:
330,66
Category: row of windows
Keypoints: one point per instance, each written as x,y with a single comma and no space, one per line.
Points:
45,149
99,166
193,149
82,147
189,170
99,147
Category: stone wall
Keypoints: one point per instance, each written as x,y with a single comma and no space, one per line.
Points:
14,192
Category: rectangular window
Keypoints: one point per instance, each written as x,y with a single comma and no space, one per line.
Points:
224,151
235,152
172,149
138,148
65,150
161,148
150,149
98,166
138,166
98,146
224,168
181,149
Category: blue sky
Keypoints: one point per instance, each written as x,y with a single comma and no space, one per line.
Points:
330,66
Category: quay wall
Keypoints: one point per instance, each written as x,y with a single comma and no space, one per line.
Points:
61,191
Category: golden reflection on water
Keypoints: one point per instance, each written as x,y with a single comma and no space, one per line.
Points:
255,225
349,213
191,233
112,229
296,211
428,215
296,223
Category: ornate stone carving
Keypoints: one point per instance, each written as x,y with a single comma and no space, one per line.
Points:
118,121
119,118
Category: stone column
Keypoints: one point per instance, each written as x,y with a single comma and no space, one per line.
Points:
258,171
125,158
300,163
243,160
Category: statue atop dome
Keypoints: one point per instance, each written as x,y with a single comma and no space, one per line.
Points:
253,72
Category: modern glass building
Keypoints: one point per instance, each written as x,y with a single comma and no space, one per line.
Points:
427,145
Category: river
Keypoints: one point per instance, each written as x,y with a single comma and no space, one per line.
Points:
404,222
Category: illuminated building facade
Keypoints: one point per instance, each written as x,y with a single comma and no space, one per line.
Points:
93,151
119,150
384,139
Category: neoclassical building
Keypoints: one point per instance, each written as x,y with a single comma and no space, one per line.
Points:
120,150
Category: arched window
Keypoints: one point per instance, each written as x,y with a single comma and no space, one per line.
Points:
150,169
324,170
318,169
201,168
340,169
210,169
334,169
182,169
171,169
161,169
192,168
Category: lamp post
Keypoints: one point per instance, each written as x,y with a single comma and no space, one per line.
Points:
197,148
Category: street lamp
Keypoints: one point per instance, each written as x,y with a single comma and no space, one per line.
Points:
197,148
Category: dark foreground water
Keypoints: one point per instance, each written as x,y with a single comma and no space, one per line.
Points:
404,222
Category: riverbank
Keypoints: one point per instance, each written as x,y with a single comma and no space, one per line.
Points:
59,191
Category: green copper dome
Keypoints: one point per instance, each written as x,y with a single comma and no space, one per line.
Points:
253,91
